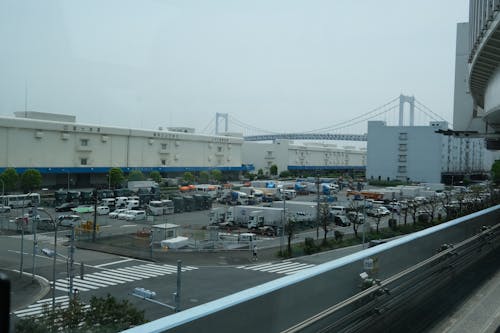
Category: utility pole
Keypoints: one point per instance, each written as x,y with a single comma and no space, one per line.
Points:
178,292
317,205
71,261
94,226
34,215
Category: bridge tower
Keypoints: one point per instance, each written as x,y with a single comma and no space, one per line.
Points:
410,100
217,117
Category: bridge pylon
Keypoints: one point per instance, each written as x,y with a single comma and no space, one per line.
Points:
218,116
410,100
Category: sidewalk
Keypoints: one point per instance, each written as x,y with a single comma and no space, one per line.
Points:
23,290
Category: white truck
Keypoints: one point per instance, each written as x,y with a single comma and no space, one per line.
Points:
265,216
301,211
220,215
241,214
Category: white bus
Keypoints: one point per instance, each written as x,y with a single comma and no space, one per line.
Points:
20,200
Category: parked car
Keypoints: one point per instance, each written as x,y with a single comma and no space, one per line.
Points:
69,220
114,214
136,215
66,207
45,223
103,210
124,215
356,217
341,220
4,209
83,209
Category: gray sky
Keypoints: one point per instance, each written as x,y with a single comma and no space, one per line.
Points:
281,65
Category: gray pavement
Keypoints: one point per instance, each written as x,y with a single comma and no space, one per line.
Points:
24,290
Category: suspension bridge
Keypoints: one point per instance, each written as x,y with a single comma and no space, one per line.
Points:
392,112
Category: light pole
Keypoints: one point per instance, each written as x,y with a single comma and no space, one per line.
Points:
54,259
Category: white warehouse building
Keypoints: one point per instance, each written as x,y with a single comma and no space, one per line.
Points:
290,156
418,153
60,148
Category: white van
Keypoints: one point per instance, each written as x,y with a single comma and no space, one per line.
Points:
338,210
131,204
136,215
108,202
102,210
121,201
247,237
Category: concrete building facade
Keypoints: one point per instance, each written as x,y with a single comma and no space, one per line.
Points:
65,147
477,73
418,153
289,156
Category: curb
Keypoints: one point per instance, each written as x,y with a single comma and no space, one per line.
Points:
45,288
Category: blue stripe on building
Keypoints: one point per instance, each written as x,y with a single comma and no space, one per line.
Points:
97,170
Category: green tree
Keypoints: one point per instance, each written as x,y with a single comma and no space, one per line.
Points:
105,314
31,179
324,217
116,177
495,171
260,174
10,179
203,177
136,175
273,170
156,176
290,228
188,177
216,175
285,174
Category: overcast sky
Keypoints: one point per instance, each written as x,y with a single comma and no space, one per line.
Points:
281,65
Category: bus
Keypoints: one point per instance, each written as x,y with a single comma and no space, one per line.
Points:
20,200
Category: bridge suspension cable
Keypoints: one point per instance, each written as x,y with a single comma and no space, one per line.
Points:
339,125
249,127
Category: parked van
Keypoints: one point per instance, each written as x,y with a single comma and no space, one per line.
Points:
341,220
132,204
121,202
337,210
102,210
110,202
247,237
136,215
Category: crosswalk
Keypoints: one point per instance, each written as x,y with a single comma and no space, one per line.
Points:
112,277
283,267
36,309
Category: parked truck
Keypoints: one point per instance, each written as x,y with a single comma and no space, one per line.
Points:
301,211
241,214
219,215
266,216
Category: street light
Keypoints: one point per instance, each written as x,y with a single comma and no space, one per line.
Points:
54,258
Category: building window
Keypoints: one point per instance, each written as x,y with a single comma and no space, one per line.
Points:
402,169
402,147
219,149
403,136
84,142
164,146
163,162
402,158
83,161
